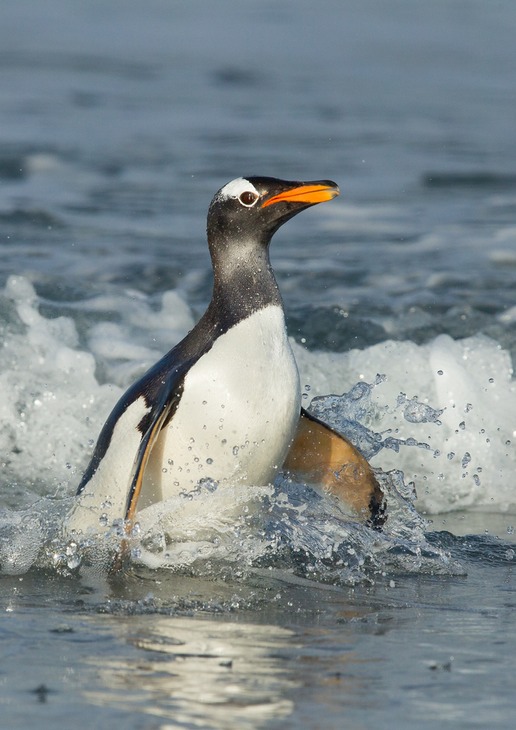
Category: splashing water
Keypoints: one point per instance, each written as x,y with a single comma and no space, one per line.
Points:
55,402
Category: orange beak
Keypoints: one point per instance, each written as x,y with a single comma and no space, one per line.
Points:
312,193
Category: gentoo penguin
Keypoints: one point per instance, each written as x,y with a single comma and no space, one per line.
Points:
224,404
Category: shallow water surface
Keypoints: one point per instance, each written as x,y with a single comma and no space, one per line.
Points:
157,650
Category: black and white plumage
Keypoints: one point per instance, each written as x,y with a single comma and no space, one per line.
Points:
224,403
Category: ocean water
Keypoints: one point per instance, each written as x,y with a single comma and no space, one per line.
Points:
264,606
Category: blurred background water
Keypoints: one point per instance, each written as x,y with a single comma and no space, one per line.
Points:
118,121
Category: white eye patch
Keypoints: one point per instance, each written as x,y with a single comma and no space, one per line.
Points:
235,188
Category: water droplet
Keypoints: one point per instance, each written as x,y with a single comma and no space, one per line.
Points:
73,559
209,460
466,459
451,455
103,519
462,425
440,372
510,529
491,380
73,562
235,450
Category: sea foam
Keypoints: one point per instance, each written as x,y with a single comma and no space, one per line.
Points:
440,413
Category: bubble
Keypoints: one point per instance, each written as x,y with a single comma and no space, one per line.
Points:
73,559
73,562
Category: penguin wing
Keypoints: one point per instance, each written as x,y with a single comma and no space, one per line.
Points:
121,455
163,405
321,456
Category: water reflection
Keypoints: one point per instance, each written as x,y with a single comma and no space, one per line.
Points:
198,672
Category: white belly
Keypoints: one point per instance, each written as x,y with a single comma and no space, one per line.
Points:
237,416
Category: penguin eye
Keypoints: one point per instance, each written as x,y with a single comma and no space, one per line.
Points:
248,198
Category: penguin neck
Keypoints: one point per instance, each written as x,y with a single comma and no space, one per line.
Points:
244,281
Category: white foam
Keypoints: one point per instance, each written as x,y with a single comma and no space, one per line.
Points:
53,405
472,456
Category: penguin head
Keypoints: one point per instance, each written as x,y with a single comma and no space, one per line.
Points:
252,209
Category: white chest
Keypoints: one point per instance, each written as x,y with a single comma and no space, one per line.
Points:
237,415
